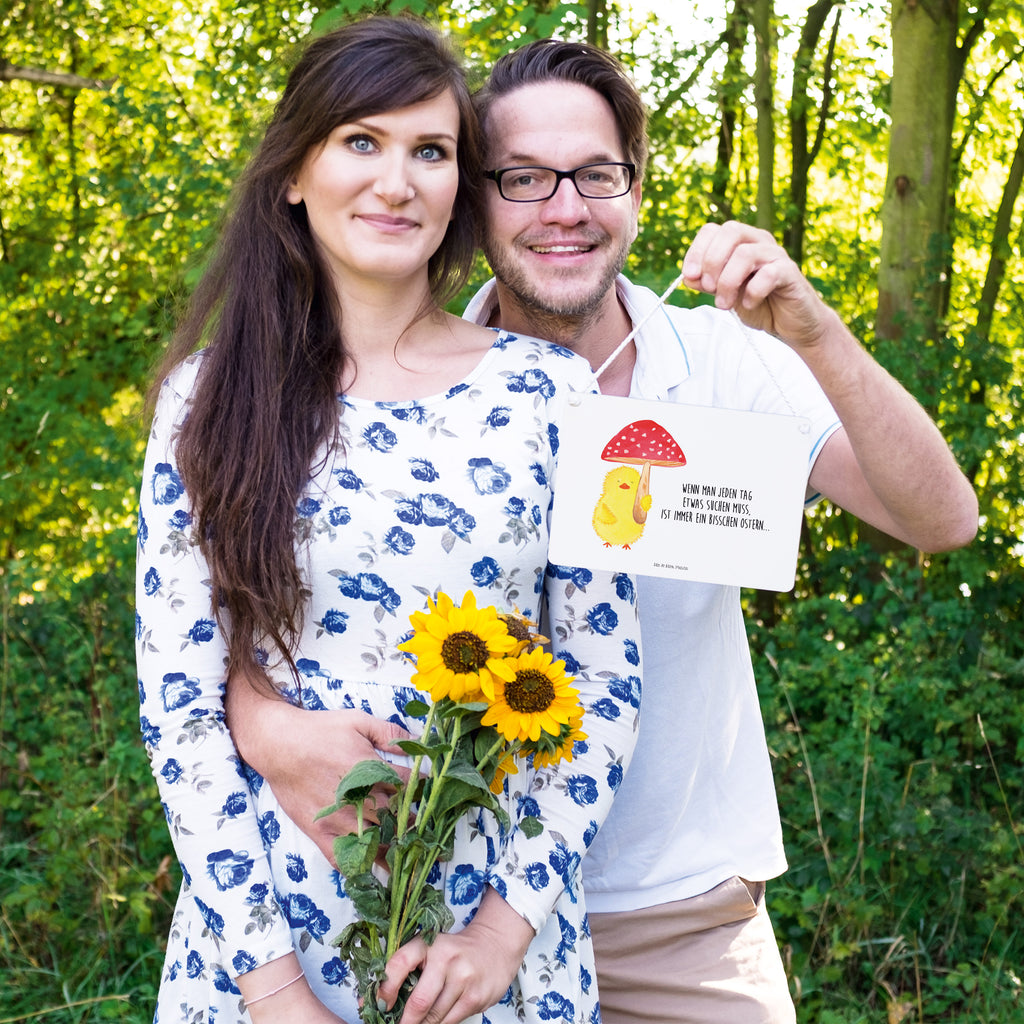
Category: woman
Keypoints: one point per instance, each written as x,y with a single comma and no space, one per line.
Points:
341,449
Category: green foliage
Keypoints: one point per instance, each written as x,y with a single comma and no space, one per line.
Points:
891,686
895,724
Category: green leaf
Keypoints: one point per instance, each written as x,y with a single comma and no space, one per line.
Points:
531,826
354,853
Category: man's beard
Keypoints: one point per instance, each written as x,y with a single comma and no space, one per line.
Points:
565,309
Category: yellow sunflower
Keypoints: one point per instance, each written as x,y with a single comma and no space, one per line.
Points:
536,698
506,766
521,628
459,650
550,750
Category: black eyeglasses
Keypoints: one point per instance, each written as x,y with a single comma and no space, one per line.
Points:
535,184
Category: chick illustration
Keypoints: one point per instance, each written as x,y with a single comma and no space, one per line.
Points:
613,518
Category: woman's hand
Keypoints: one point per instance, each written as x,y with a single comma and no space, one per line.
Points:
304,754
278,993
464,973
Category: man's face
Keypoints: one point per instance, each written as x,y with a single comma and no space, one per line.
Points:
559,256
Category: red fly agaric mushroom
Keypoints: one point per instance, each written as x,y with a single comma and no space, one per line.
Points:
644,443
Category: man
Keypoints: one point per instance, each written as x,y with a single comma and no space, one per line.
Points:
675,878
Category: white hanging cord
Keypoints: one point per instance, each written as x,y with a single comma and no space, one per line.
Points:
636,330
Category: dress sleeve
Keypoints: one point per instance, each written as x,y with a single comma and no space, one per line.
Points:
592,620
181,657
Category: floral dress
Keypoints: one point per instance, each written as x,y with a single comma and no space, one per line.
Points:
449,493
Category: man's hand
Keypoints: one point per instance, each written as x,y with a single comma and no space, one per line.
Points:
464,973
748,271
304,754
888,463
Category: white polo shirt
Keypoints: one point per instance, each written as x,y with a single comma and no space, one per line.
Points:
698,803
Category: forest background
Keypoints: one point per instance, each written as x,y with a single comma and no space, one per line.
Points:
882,143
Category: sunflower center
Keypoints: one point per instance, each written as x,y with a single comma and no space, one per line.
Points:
529,692
464,652
518,628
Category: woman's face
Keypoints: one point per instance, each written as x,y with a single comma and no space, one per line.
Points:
379,191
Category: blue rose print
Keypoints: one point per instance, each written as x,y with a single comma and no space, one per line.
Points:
368,586
258,894
465,885
172,770
457,390
202,631
194,964
590,834
568,940
632,653
229,868
553,438
347,479
582,789
528,807
222,981
461,523
400,541
180,520
614,777
307,508
302,912
413,413
572,666
380,437
436,509
335,971
602,619
606,708
270,828
531,381
244,962
296,867
498,417
235,805
485,572
575,575
515,506
536,876
167,485
339,516
151,582
536,515
566,864
210,917
142,531
150,732
178,691
423,470
334,621
625,588
554,1006
488,477
626,690
540,474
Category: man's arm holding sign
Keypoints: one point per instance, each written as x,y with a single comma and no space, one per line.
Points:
888,465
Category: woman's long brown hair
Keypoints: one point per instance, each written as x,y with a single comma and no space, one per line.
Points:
265,402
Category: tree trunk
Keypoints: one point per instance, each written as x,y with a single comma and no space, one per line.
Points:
761,14
803,151
915,211
729,94
597,23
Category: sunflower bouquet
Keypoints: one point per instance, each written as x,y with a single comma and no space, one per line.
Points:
496,697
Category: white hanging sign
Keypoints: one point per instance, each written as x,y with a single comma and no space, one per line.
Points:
687,492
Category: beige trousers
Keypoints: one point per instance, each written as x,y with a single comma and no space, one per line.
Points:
710,959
